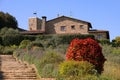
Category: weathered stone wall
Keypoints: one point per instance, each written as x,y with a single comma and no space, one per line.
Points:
100,35
34,23
54,27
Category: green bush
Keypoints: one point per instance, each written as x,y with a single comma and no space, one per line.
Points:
11,40
49,40
66,39
1,49
116,51
107,49
62,48
51,57
8,50
49,71
106,41
29,37
34,43
49,64
62,38
1,40
24,43
76,68
44,37
10,36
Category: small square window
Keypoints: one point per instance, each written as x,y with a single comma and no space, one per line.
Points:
81,26
99,36
73,27
63,28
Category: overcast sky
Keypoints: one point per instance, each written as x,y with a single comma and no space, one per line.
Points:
103,14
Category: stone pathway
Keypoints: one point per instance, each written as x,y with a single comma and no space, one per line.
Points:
10,69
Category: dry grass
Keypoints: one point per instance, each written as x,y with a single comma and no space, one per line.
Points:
112,70
112,65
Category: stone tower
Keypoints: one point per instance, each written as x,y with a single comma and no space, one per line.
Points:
34,24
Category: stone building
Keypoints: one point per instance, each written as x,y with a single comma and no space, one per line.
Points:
63,25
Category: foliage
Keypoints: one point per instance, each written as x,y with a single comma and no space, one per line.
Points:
62,48
104,41
86,50
70,69
7,49
34,43
10,36
24,43
0,40
11,40
76,68
1,49
116,51
8,31
7,20
51,57
62,38
49,63
107,49
117,39
49,71
66,39
111,66
116,42
29,37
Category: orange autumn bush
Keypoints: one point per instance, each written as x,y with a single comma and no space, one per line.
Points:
86,50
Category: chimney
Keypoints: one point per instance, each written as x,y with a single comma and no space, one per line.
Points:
43,23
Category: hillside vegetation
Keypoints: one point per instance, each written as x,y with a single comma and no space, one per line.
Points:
48,53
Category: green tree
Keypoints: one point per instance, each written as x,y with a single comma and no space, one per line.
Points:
7,20
2,19
117,39
10,36
116,42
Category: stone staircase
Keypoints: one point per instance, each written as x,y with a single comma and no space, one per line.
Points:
11,69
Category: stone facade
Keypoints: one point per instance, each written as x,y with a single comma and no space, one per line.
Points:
65,25
34,23
100,34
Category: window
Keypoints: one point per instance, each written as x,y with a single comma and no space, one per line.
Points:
81,26
63,28
99,36
73,27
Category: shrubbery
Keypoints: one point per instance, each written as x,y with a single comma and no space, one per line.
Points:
11,39
76,68
86,50
7,49
0,40
24,43
62,38
106,41
49,64
79,70
29,37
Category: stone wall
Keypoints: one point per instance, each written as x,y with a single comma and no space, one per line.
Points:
71,26
34,23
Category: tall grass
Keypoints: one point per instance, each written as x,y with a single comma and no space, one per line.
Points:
112,65
47,62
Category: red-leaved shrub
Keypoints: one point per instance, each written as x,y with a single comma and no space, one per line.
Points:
86,50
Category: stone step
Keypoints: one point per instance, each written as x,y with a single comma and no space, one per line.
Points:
10,69
21,73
